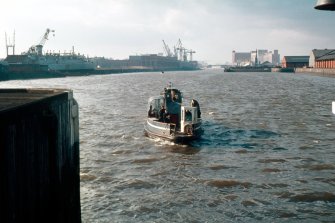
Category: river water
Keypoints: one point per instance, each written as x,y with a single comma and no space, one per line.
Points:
267,153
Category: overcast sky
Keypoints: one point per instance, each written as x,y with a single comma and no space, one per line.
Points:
212,28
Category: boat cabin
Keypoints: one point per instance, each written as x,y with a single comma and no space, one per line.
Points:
189,117
171,99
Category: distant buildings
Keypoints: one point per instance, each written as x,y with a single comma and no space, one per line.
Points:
241,59
257,57
318,58
148,61
323,59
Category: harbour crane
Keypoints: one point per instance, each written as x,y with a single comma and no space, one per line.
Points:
10,44
179,50
167,49
191,54
182,53
37,49
45,36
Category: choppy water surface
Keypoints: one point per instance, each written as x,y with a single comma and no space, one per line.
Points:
267,154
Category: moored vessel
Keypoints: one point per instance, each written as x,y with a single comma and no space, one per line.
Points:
34,60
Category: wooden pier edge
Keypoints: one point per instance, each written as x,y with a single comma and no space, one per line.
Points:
39,156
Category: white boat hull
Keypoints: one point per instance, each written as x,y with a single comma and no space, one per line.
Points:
154,128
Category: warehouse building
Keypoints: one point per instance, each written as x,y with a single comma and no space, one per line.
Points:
324,59
295,61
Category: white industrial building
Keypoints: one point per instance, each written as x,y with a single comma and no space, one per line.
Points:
257,57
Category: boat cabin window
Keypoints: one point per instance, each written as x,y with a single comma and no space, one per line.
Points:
189,114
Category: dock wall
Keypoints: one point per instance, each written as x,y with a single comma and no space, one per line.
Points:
39,156
316,71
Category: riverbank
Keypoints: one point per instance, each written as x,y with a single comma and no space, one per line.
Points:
311,71
316,71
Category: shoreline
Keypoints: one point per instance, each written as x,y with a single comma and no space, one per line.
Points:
309,71
316,72
7,76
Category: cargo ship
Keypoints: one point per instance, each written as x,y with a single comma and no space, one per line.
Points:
67,62
35,61
3,70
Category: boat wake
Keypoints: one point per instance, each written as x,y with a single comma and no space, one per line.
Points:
218,135
162,142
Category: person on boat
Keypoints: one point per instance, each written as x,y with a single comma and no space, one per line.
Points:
151,113
174,97
162,114
195,103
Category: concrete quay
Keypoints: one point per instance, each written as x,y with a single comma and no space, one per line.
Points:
317,71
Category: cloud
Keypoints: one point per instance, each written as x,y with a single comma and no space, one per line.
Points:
213,28
297,41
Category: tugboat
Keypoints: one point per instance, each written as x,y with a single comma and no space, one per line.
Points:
170,120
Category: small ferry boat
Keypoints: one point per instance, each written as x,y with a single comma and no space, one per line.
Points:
169,119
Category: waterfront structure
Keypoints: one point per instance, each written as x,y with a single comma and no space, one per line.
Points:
295,61
160,62
39,141
322,59
177,59
148,61
257,57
